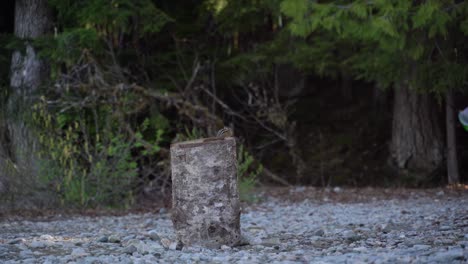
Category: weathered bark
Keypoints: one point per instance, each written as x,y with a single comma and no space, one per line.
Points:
32,20
18,161
416,145
205,197
452,162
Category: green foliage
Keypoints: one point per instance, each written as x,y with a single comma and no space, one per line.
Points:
390,37
247,172
94,135
90,166
109,17
67,48
100,27
242,16
302,24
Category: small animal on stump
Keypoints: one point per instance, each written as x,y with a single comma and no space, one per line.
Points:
221,135
224,132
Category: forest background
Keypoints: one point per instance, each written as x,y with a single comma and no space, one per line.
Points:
324,93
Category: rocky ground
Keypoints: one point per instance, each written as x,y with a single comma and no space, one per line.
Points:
297,225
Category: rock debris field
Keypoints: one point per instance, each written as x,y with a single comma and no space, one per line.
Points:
295,225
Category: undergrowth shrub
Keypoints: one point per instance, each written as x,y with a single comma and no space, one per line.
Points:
89,159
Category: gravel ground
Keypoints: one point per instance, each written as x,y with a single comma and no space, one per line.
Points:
408,227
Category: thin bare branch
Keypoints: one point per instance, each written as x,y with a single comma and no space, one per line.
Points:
222,104
275,177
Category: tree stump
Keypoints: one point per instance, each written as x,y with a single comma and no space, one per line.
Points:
205,198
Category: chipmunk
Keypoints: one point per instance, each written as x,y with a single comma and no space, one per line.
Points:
225,132
222,133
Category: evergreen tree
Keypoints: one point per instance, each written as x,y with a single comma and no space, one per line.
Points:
414,46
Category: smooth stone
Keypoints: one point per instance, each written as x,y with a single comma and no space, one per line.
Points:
37,244
134,242
16,241
114,239
130,249
351,236
319,233
176,246
270,242
173,246
153,235
46,237
103,239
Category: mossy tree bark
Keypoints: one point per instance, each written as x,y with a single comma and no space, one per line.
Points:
18,163
416,146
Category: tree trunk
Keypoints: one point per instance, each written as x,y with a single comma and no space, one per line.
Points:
205,198
416,146
18,163
32,20
452,162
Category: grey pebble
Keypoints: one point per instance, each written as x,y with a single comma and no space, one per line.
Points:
129,249
37,244
415,230
319,233
271,242
16,241
103,239
153,235
114,239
